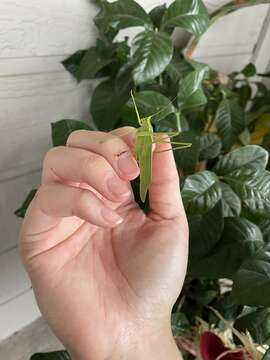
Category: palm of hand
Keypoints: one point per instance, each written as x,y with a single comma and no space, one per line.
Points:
110,277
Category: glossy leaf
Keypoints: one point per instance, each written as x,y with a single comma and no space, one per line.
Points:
252,280
72,63
148,103
190,15
62,129
210,146
103,22
251,156
128,13
264,225
56,355
156,15
264,109
190,92
21,211
253,189
106,105
92,62
205,232
201,192
186,159
231,203
257,323
227,307
240,240
249,70
179,67
151,53
180,323
230,122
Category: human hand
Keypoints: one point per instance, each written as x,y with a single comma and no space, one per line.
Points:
104,274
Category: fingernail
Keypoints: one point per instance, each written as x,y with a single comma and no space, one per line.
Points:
127,164
118,187
111,217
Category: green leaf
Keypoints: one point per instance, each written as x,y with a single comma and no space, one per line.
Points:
156,15
151,53
148,103
106,105
244,93
62,129
198,98
205,232
180,323
257,114
231,203
179,67
186,159
230,122
72,63
251,282
249,70
240,240
253,189
128,13
210,146
190,15
56,355
251,156
264,225
123,80
92,62
190,92
257,323
21,211
201,192
103,22
245,137
225,306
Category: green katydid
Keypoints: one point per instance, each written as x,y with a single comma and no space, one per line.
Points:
145,137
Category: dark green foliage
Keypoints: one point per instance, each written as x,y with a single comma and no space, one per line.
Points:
63,128
56,355
225,179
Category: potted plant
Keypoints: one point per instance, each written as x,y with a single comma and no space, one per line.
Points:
226,178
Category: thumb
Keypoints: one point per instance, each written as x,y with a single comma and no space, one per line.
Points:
164,192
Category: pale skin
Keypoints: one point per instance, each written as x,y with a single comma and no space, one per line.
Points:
105,275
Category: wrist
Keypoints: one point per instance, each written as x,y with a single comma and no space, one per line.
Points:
139,344
155,344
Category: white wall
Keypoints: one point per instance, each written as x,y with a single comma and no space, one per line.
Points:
35,90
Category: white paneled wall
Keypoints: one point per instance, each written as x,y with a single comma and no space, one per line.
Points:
35,90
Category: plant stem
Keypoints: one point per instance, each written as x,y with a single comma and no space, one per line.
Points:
234,6
220,12
178,122
210,122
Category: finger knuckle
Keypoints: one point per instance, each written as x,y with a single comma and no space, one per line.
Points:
51,154
114,145
75,136
89,162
